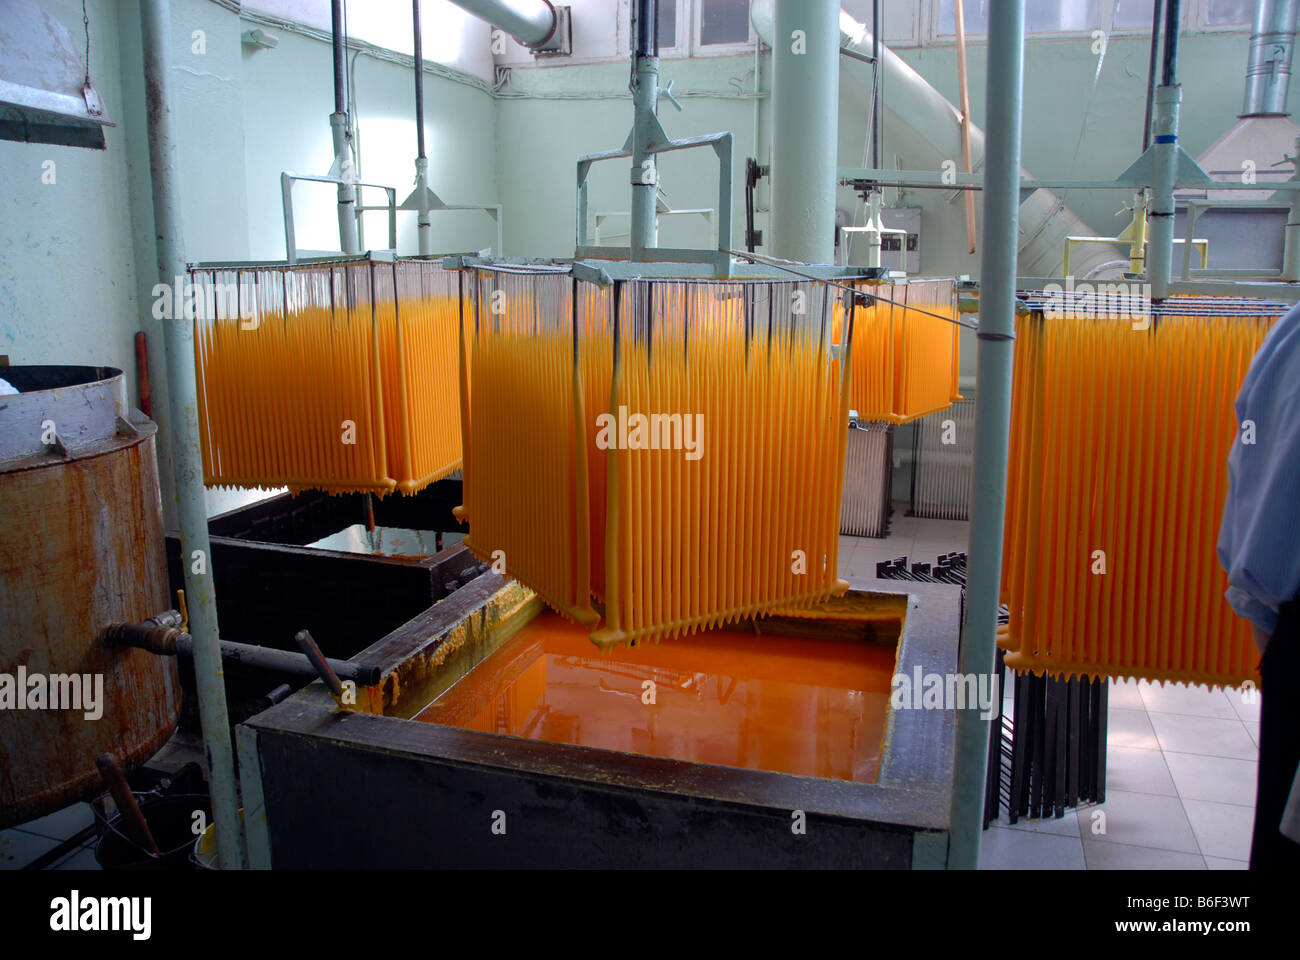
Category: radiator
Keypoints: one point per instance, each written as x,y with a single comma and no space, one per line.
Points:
864,510
943,449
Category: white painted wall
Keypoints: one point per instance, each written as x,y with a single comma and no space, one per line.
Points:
451,36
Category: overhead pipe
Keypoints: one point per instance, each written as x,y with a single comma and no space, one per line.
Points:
1136,232
875,227
1164,130
1268,68
1291,238
1157,14
805,129
424,229
963,86
531,22
341,132
875,84
187,462
996,334
1169,75
645,105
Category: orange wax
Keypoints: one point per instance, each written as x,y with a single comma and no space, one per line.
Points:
766,702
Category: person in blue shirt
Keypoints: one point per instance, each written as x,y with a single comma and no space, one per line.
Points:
1259,547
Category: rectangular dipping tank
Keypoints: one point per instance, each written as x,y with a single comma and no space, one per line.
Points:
386,785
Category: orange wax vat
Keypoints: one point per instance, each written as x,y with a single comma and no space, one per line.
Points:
813,707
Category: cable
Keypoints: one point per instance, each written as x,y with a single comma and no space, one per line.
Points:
85,22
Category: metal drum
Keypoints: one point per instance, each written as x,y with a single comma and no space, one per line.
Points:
81,546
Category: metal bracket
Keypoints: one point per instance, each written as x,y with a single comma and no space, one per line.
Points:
434,202
720,258
57,448
292,253
1188,172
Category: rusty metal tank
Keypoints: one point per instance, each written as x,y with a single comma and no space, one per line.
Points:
81,546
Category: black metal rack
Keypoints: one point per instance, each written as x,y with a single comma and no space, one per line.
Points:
1050,753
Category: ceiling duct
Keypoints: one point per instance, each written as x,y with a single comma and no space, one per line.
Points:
45,91
538,24
1268,69
1264,133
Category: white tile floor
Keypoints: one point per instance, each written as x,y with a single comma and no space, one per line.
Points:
21,845
1180,774
1181,762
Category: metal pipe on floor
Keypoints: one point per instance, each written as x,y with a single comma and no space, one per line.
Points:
187,463
1004,93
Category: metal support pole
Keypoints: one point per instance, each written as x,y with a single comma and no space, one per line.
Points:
645,102
1160,212
1157,11
805,114
874,231
187,462
341,132
424,229
992,414
875,85
1291,242
1164,130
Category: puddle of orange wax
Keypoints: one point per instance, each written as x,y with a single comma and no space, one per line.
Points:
787,704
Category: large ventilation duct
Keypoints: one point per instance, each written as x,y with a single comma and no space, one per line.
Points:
1265,133
925,129
531,22
1268,70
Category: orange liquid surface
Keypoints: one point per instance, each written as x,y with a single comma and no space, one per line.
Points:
765,702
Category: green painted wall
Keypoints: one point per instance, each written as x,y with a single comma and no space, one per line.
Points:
547,117
77,256
67,265
288,98
1059,99
1070,130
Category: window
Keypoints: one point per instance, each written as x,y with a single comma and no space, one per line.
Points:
1135,15
1226,12
1044,16
723,22
1061,15
977,17
667,24
901,18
